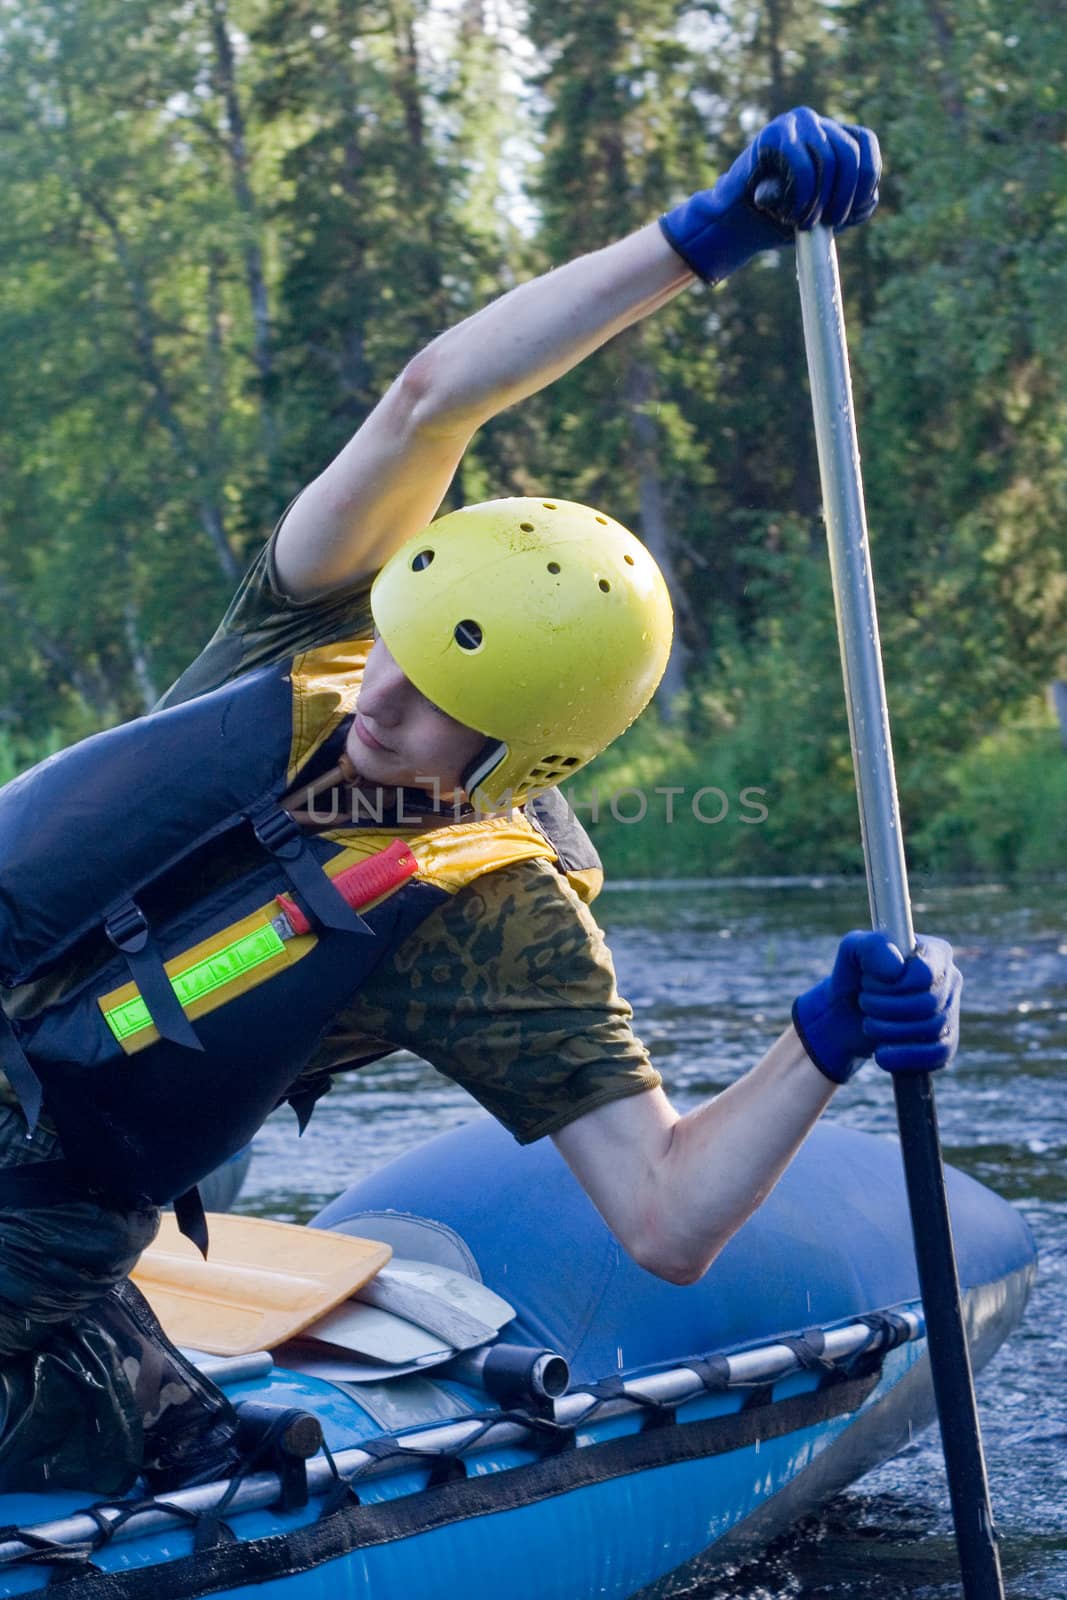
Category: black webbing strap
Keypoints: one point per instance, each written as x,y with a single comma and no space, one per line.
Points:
278,833
889,1327
757,1397
189,1215
613,1388
127,928
657,1413
341,1492
20,1074
809,1348
713,1372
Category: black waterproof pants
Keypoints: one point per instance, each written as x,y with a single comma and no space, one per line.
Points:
93,1393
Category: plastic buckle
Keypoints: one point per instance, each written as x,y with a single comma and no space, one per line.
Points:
277,832
127,928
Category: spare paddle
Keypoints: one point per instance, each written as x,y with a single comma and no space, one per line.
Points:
316,1360
449,1304
887,886
411,1315
264,1282
361,1330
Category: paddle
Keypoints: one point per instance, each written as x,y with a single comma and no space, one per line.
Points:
264,1282
449,1304
316,1360
887,886
410,1316
357,1329
268,1282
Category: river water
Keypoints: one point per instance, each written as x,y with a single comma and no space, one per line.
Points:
711,969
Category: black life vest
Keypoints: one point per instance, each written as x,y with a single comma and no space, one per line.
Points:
201,943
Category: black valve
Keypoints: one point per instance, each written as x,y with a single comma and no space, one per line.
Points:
279,1439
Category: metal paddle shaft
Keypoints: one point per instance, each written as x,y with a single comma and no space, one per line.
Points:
887,884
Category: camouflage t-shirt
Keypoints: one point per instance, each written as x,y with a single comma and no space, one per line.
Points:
508,987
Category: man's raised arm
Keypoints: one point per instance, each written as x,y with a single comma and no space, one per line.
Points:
388,482
390,478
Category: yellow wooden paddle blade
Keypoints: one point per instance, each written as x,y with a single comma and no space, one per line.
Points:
262,1283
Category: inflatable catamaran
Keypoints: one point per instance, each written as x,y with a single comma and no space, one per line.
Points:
546,1421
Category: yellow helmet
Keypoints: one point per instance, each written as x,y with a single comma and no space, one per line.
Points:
541,623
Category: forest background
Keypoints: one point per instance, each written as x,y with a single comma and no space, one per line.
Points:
226,224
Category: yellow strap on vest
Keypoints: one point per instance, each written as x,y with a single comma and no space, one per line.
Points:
453,856
248,953
326,684
586,882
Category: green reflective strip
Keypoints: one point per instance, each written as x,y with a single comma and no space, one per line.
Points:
214,972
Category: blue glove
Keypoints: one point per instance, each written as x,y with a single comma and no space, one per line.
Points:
827,172
905,1013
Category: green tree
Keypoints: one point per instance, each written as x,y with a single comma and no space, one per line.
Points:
383,215
128,426
965,397
622,136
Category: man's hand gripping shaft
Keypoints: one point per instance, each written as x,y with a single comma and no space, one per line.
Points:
904,1013
825,171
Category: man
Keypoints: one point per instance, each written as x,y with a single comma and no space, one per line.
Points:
505,982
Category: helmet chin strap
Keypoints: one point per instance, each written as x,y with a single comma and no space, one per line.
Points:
483,766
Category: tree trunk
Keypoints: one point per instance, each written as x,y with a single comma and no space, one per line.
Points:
145,342
1058,691
255,277
640,390
208,508
777,97
952,96
89,685
420,167
142,672
215,363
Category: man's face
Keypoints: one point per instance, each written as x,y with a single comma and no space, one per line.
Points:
400,739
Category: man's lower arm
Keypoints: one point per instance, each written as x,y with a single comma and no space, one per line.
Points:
725,1157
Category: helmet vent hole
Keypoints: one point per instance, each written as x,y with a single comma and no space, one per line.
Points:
603,521
549,761
629,560
468,635
604,585
527,527
553,566
420,562
549,505
569,761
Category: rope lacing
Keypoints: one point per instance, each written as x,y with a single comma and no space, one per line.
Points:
888,1329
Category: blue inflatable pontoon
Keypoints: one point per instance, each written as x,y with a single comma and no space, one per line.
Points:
697,1421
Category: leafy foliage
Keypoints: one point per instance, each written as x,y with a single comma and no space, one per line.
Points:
228,224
